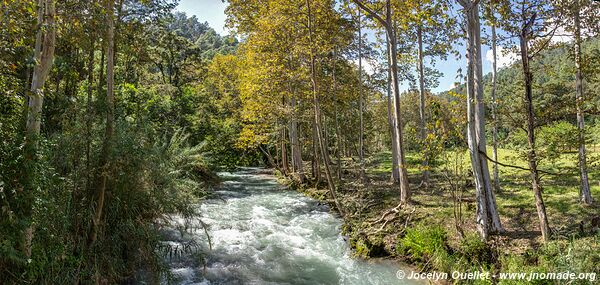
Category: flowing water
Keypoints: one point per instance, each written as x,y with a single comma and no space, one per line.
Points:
262,233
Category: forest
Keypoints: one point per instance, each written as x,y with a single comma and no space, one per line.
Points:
121,118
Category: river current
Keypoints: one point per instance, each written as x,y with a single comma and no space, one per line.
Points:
262,233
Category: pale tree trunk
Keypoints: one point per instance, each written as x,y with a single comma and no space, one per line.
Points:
422,119
494,104
297,164
45,43
493,216
316,161
88,120
391,34
319,124
284,156
403,175
585,194
392,122
105,168
531,155
487,217
338,134
361,146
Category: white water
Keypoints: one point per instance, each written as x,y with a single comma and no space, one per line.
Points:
264,234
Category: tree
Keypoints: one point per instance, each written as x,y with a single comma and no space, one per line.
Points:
44,56
490,9
580,23
488,219
528,21
386,22
105,157
433,29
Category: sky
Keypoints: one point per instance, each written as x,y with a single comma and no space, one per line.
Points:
213,12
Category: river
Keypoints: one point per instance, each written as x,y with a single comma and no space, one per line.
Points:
262,233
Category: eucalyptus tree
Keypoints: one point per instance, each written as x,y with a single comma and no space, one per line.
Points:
490,15
387,24
45,44
532,23
432,25
581,22
109,129
487,217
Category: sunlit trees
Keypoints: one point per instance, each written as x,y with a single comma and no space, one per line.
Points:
387,23
487,218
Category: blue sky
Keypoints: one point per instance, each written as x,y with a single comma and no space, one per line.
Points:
213,12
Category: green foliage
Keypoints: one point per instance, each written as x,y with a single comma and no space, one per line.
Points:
422,243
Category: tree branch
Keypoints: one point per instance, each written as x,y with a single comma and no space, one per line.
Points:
514,166
371,12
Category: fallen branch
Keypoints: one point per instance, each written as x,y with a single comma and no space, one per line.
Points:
388,212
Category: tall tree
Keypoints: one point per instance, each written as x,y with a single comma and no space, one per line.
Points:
386,21
491,16
105,157
433,29
487,218
585,194
45,44
361,136
529,21
317,107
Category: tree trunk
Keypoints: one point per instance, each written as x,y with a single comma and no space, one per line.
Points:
361,146
45,43
338,134
487,217
319,124
284,156
393,62
89,116
584,191
105,168
403,175
422,120
392,122
493,216
494,104
297,164
531,155
316,161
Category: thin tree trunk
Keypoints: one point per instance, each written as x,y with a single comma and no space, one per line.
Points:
391,34
45,43
105,162
318,121
284,156
584,191
403,175
392,121
532,158
316,161
88,121
338,134
361,153
422,119
494,103
297,164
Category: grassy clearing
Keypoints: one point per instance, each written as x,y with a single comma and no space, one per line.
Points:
424,233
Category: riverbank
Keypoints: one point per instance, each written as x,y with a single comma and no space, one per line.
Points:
436,232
